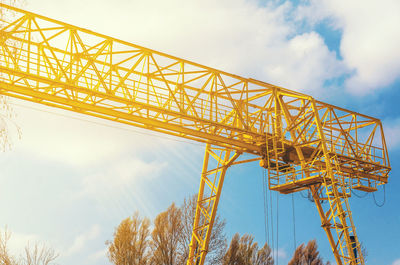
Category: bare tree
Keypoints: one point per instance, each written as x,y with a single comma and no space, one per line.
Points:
264,256
7,113
217,245
364,251
169,240
247,249
36,254
165,237
244,251
131,242
307,255
39,254
297,256
5,257
232,256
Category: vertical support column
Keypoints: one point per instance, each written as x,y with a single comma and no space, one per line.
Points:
338,216
325,221
216,161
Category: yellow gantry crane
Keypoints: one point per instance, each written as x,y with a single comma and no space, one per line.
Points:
303,143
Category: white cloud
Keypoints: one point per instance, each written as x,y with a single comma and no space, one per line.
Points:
396,262
370,39
98,255
18,241
120,174
392,133
81,241
236,36
282,253
305,63
73,139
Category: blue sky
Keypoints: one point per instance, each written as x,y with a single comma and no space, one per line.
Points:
71,179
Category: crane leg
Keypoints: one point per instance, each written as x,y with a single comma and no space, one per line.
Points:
216,161
337,216
335,186
325,223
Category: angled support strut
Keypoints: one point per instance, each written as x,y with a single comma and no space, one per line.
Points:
216,161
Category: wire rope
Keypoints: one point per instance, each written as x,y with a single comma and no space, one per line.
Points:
110,126
302,195
359,196
266,226
294,223
266,196
384,198
272,222
277,227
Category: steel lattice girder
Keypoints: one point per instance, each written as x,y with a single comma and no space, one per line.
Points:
303,142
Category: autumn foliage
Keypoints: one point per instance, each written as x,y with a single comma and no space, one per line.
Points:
244,251
167,243
307,255
131,239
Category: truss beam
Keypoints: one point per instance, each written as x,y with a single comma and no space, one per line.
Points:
304,143
216,162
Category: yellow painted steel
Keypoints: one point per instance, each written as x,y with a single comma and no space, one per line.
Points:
216,162
304,143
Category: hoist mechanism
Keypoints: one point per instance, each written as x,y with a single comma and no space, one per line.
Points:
304,144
